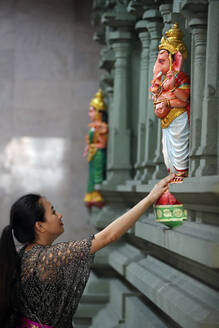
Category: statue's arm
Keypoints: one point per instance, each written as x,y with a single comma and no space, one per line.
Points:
86,148
182,94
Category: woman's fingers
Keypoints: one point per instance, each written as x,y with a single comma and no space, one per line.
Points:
166,180
160,187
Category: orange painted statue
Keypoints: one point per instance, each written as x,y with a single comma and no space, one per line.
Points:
170,92
170,89
95,149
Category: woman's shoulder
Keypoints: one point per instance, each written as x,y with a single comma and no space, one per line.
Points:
67,249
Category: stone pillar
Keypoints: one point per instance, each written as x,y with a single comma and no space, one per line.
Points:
154,26
210,135
119,135
109,93
198,26
143,96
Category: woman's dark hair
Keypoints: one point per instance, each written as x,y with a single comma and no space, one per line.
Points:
24,213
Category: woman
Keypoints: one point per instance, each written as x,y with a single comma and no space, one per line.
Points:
43,283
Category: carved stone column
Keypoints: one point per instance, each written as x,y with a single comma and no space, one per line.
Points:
198,27
119,24
143,96
119,135
154,25
109,93
210,135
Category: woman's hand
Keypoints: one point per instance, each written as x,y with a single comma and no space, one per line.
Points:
160,188
119,226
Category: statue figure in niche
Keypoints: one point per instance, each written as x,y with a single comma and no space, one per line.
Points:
95,149
170,89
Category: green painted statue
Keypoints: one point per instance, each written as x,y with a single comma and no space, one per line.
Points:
95,149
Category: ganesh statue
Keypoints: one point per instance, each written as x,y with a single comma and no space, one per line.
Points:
170,90
95,149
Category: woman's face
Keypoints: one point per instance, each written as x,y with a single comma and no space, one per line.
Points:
53,224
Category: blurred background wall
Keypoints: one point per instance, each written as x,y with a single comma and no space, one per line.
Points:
48,75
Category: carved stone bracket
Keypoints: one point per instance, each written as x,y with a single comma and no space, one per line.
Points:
138,7
166,12
107,59
99,36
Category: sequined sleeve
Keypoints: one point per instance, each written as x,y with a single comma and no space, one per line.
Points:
63,255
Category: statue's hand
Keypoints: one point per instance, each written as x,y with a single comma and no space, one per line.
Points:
154,89
162,110
169,83
156,84
86,149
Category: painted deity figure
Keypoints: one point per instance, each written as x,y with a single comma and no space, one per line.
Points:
170,89
170,92
95,149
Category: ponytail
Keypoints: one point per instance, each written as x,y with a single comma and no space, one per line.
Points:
23,216
8,273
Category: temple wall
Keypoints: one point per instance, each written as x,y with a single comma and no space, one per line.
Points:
156,276
48,74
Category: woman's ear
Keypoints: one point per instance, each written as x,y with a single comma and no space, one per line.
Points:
178,62
39,226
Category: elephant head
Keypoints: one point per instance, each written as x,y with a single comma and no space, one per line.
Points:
166,63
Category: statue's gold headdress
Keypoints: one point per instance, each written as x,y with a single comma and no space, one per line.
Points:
97,102
173,41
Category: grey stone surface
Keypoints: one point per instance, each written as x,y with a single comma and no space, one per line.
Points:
124,309
186,300
102,257
104,217
48,75
122,256
137,312
113,313
199,242
95,296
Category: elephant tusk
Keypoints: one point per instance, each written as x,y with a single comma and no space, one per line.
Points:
159,75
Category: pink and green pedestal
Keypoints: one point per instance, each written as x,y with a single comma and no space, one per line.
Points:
169,210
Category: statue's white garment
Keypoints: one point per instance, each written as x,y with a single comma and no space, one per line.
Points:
175,139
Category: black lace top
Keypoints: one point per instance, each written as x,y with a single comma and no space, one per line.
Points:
52,281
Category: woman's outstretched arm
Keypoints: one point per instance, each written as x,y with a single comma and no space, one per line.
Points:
118,227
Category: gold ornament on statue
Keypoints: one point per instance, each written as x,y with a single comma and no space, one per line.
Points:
97,102
173,41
